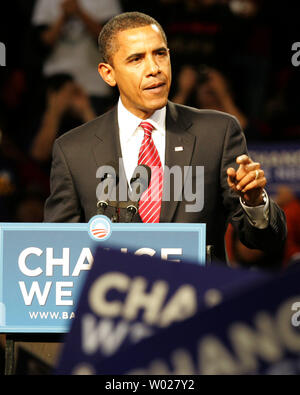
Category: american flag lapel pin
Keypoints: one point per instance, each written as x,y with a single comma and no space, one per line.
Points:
178,149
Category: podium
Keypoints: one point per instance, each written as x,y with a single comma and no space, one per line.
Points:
43,267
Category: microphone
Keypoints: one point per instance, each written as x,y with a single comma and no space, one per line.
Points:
106,190
139,183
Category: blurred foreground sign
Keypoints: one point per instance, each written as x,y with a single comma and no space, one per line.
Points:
256,332
128,298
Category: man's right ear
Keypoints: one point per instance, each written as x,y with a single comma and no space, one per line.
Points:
107,73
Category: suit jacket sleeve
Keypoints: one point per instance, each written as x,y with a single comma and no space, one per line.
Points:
63,204
269,239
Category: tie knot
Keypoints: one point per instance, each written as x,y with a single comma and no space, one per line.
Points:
148,128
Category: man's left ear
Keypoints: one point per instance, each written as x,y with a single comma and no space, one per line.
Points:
107,73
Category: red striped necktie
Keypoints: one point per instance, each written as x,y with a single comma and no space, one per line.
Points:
150,202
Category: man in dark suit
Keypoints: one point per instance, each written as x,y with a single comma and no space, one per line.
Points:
136,60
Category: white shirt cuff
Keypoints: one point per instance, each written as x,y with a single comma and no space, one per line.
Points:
259,215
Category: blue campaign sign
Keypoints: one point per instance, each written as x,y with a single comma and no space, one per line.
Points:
127,298
43,266
255,332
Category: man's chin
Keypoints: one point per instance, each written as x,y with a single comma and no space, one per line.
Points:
146,108
157,104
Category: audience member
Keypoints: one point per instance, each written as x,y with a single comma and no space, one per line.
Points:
30,208
67,106
69,28
18,175
210,90
199,31
8,184
240,256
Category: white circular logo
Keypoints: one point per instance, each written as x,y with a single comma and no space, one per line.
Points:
100,228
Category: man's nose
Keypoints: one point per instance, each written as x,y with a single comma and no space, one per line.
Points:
152,68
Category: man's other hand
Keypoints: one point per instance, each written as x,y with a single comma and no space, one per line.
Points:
248,181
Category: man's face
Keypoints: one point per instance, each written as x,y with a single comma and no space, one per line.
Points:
141,69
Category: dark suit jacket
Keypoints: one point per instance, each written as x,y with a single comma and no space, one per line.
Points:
209,138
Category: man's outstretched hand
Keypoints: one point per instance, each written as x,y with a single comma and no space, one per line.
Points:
248,181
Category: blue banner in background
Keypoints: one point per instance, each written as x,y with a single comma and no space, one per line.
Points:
280,162
43,266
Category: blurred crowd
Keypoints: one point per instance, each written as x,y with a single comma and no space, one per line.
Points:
228,55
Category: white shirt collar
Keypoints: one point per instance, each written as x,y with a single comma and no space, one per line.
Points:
128,122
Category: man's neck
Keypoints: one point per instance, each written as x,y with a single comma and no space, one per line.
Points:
142,115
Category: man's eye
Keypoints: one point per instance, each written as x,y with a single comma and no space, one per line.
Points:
136,59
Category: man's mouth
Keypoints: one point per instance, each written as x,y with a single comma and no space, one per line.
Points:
155,87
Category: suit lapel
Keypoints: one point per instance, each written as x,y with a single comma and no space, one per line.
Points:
107,148
106,145
179,149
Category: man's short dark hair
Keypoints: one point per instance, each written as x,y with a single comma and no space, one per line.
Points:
128,20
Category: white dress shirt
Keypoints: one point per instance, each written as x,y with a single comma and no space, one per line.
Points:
131,137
